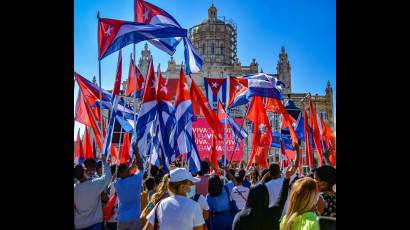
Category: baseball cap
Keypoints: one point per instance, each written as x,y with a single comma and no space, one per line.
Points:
180,174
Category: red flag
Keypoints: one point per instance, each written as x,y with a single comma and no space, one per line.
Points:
114,154
308,147
214,153
81,114
108,210
134,74
200,106
262,137
88,148
288,121
117,83
274,105
315,131
87,118
329,140
78,152
125,151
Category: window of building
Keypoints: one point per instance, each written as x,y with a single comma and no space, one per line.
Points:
212,48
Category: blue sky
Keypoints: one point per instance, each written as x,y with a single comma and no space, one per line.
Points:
307,29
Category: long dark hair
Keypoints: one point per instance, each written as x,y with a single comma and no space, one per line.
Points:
328,174
215,185
258,198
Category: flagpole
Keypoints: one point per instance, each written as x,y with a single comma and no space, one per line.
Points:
99,82
281,145
307,158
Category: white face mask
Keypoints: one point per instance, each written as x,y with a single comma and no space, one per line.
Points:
192,192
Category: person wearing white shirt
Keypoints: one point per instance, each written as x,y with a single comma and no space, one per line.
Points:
275,184
87,200
239,193
177,212
201,201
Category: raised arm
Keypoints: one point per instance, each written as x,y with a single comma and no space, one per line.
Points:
103,181
137,161
229,176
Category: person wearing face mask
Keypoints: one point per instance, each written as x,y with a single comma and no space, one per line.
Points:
201,201
177,211
325,177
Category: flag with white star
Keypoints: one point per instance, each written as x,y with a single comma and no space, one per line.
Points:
215,90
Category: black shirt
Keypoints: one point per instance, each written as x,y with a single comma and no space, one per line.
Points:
262,219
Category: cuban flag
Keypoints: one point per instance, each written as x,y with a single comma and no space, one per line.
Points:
182,138
299,128
238,131
261,84
153,145
148,13
135,82
107,140
166,121
194,160
215,90
183,116
146,116
125,116
193,61
115,34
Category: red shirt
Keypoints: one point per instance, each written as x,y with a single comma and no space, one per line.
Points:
202,186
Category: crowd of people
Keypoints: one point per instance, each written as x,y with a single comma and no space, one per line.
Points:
129,197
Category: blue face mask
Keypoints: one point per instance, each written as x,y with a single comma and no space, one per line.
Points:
192,192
